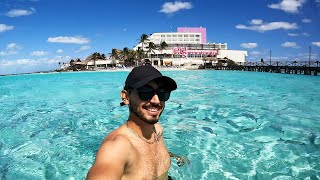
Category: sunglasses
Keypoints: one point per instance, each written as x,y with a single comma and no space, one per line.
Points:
146,93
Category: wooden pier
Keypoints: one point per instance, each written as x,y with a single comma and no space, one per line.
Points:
287,67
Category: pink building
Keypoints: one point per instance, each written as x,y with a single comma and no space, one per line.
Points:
201,30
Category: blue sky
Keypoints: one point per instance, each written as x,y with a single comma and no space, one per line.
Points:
37,34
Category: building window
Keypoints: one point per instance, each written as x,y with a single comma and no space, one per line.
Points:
180,35
168,35
163,35
174,35
197,35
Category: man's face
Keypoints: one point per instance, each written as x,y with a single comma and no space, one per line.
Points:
147,111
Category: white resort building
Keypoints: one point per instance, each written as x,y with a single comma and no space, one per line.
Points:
188,46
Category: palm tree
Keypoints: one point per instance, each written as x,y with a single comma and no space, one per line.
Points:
103,56
114,56
163,45
132,57
139,54
143,39
125,54
71,62
151,49
95,56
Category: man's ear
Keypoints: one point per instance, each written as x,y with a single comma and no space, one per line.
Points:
125,97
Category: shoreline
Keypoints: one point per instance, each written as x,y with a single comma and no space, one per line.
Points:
97,70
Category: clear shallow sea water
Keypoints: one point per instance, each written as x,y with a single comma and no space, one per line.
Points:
231,125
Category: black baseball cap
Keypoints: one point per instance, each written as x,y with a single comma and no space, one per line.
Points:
142,75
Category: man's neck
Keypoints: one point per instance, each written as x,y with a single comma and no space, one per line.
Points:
140,127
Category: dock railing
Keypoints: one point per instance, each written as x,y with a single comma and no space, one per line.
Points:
288,67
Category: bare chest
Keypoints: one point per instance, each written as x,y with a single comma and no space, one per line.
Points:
150,161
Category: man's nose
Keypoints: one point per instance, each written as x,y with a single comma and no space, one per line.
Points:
155,99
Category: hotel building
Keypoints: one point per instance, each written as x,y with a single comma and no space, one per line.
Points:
188,46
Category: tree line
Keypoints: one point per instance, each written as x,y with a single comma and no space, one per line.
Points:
126,56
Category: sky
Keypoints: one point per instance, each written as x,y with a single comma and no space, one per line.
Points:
35,35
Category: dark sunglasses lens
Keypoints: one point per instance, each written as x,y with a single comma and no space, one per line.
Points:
145,93
146,96
164,96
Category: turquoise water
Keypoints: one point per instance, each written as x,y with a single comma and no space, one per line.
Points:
231,125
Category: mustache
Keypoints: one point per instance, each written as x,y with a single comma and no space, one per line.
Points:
150,105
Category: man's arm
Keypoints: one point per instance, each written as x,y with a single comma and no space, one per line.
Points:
180,159
111,159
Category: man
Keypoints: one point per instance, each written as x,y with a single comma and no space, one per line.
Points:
136,149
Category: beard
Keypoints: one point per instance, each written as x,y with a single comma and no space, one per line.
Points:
134,108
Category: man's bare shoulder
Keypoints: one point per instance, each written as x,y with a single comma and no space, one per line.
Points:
112,156
114,141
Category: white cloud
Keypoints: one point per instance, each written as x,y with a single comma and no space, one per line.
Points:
83,48
316,43
62,59
306,20
269,26
293,34
297,34
20,12
13,46
4,53
171,7
289,45
29,62
4,28
59,51
38,53
66,39
255,53
241,26
30,65
19,62
256,21
11,49
289,6
249,45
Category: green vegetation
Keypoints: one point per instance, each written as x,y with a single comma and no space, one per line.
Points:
126,56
